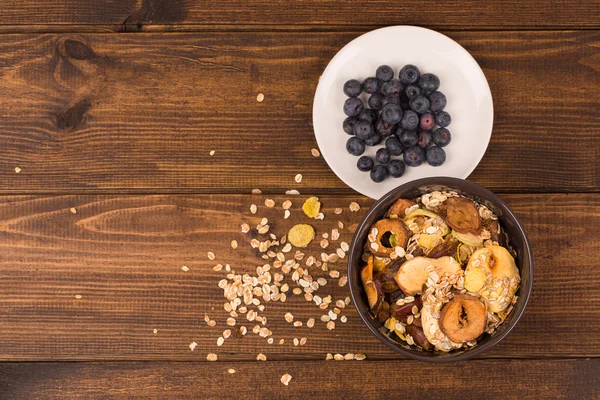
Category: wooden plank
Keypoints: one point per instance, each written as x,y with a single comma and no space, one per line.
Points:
142,112
124,257
491,379
140,14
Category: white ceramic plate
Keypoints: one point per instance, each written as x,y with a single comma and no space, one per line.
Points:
462,81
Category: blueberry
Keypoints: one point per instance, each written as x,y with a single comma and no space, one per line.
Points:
382,156
383,128
353,106
419,104
409,74
412,91
409,138
404,101
436,156
429,83
363,130
384,73
427,121
370,85
376,101
441,137
393,87
424,139
390,99
396,168
437,101
391,113
348,125
365,163
352,88
394,146
374,140
355,146
414,156
379,173
443,119
410,120
367,115
398,132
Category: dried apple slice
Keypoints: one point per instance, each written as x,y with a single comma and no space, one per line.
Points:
461,215
413,274
463,318
374,296
498,262
390,233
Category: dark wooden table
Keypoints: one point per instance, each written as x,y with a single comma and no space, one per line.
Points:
109,111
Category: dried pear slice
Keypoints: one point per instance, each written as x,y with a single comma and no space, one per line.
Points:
463,318
398,209
461,215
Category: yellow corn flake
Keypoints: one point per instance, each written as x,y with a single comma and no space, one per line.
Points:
474,279
311,207
301,235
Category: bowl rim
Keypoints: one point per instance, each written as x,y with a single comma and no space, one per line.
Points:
525,290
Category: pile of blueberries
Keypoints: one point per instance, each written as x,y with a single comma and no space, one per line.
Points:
408,111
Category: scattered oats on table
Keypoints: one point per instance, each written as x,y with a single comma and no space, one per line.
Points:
155,331
256,191
185,268
269,203
211,357
73,210
338,357
315,152
78,296
285,379
253,208
211,255
234,244
260,97
231,371
298,178
212,153
337,211
292,192
193,346
18,169
261,357
354,207
286,205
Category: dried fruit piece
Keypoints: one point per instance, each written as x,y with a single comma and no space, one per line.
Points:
413,274
463,318
374,296
301,235
311,207
461,215
390,234
446,248
468,238
418,336
498,262
397,210
402,311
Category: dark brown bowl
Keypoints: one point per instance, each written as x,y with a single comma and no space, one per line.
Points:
517,239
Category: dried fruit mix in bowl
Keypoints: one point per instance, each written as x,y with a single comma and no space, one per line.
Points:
439,272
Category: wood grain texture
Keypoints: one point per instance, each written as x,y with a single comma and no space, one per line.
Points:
498,379
126,113
124,255
135,15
